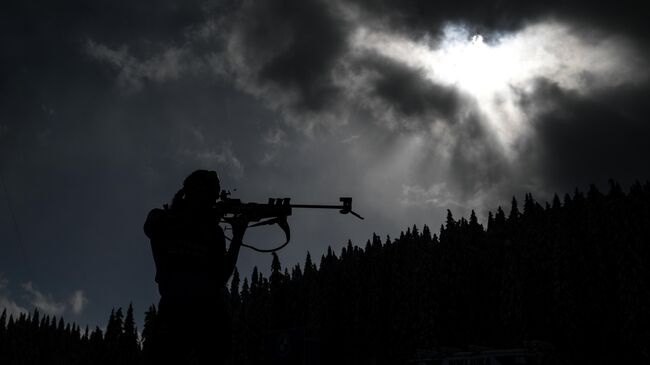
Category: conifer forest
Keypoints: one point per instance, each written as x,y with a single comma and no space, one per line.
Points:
569,275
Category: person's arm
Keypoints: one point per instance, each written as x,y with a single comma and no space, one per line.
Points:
238,229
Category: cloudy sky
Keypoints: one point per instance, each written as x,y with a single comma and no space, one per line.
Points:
410,107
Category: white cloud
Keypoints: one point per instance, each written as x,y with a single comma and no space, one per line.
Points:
34,298
78,302
437,194
44,303
11,306
6,302
169,64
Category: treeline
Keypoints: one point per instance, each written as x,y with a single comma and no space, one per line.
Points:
35,339
572,273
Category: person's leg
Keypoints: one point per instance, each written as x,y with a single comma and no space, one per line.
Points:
175,336
213,340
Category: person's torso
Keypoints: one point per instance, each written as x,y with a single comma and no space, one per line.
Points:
189,254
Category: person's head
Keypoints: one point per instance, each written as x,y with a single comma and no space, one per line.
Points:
201,188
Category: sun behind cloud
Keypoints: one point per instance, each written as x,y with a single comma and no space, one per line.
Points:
496,73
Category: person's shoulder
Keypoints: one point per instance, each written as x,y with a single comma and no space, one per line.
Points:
155,220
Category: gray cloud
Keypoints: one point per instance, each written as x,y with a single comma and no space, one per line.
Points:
6,302
303,60
34,298
171,64
78,302
490,152
593,138
290,47
408,92
43,302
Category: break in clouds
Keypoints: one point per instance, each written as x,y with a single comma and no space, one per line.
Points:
466,110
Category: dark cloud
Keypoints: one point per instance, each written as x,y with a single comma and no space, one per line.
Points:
496,16
298,44
409,91
590,139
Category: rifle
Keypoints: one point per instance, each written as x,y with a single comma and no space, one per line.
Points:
275,211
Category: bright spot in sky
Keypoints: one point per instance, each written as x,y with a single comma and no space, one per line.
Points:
474,66
495,74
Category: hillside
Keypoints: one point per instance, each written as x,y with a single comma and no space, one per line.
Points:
571,274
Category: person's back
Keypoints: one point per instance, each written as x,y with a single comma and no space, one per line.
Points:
192,268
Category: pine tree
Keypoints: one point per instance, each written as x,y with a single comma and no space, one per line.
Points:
150,329
61,326
35,319
128,342
615,190
245,290
3,319
296,273
114,330
450,223
415,232
513,217
473,221
45,322
310,268
490,224
529,205
255,280
556,202
97,346
500,218
276,272
593,194
426,234
3,329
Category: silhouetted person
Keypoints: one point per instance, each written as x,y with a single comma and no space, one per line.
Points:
192,268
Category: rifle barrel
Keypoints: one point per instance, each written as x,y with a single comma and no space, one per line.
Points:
316,206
